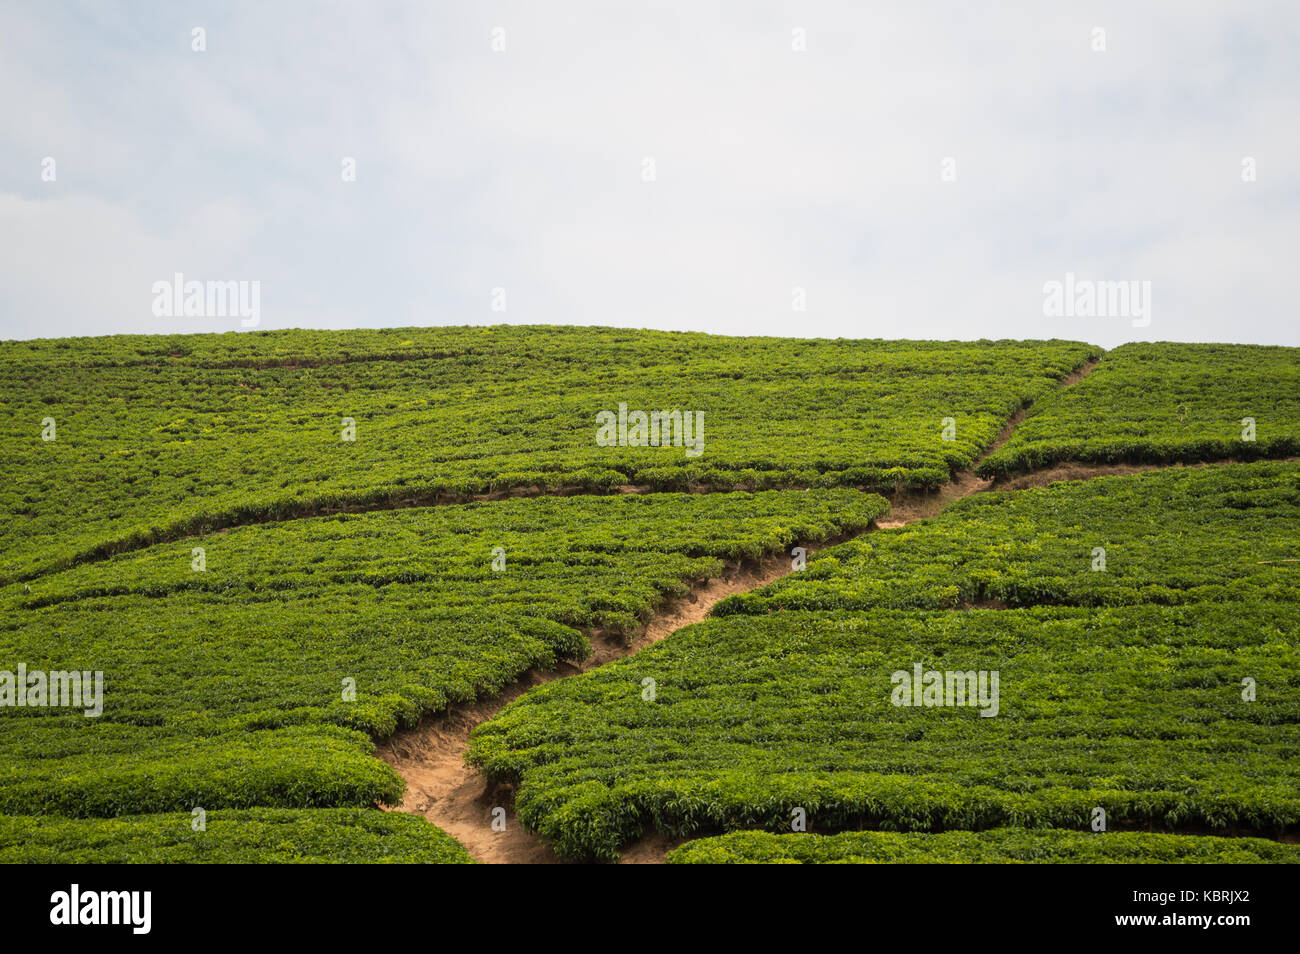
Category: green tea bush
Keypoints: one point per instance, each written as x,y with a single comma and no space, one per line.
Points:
1182,535
252,836
999,846
1164,403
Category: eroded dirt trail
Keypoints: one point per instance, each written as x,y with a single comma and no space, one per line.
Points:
455,797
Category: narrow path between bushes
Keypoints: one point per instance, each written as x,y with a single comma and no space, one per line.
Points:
451,794
455,797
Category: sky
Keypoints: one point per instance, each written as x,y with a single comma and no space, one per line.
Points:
810,169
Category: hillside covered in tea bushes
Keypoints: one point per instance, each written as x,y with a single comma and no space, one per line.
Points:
279,549
229,687
1123,687
161,437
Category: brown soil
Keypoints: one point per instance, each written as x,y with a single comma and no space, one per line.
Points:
909,507
1077,375
650,850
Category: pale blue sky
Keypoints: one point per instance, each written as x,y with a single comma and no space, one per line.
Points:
775,168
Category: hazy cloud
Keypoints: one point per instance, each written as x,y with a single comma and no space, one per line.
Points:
774,168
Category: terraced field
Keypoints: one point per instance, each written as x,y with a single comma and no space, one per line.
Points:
268,601
229,687
162,437
787,701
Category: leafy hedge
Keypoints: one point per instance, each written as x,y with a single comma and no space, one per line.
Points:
1183,535
109,769
999,846
260,836
1164,403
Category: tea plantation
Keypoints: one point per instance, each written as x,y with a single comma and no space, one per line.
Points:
155,437
1134,702
280,548
260,679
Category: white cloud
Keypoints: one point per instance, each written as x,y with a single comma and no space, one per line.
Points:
775,168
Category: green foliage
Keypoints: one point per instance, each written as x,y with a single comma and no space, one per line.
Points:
1119,689
1162,404
164,436
224,688
1138,710
1175,536
999,846
1130,699
260,836
103,768
580,561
